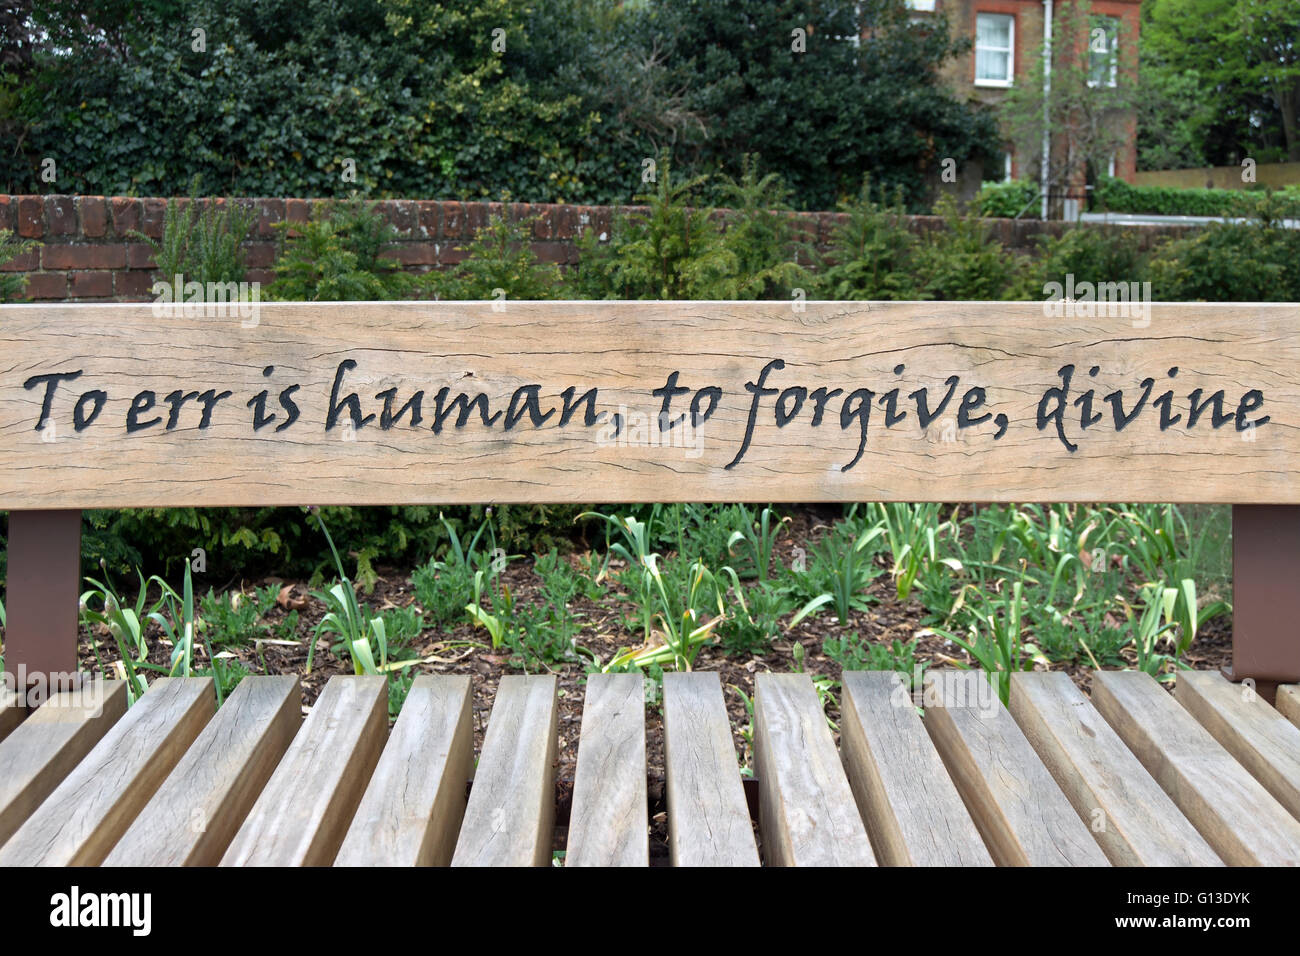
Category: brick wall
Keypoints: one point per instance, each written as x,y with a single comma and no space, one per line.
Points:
88,251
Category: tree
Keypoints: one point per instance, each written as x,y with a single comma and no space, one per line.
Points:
1245,57
1093,92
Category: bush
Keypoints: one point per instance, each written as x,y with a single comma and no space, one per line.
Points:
1090,254
1116,195
500,262
1229,263
872,254
962,261
1008,200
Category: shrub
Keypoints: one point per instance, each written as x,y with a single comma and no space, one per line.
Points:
962,261
201,240
1008,200
872,254
500,262
1116,195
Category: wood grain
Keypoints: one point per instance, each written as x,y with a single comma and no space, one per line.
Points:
807,813
1288,702
412,810
708,818
912,810
195,813
12,711
626,350
1022,814
510,816
306,807
87,813
608,824
44,748
1230,808
1262,740
1129,815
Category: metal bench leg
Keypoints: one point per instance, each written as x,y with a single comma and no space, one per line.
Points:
1266,596
44,580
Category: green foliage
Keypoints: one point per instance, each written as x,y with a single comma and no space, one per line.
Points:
201,240
13,284
339,258
1013,199
760,234
1090,254
1116,195
872,253
963,262
500,264
229,618
852,653
1254,262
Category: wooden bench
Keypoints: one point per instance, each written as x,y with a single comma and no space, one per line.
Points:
406,403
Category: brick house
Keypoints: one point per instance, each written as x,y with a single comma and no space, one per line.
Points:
1007,36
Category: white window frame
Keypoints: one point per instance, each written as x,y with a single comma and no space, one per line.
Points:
921,6
1111,166
1010,51
1111,26
1006,167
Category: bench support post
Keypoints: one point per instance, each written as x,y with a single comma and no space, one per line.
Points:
44,580
1265,596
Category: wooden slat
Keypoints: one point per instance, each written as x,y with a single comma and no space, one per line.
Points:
1230,808
36,757
304,810
195,813
807,813
912,810
838,361
411,812
1022,814
510,816
708,818
1288,702
1262,740
608,823
89,811
1129,815
12,711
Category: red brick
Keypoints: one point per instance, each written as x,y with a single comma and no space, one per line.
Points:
94,216
453,221
153,213
259,255
449,254
404,215
126,215
598,219
430,214
47,285
91,285
29,261
564,223
263,276
83,257
557,252
61,215
139,255
414,253
269,212
8,213
476,217
31,217
297,210
133,284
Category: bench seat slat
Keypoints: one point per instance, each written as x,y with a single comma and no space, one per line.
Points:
304,810
708,818
608,825
1288,702
89,811
12,711
807,814
42,751
1022,814
1230,808
412,810
195,813
1129,815
1262,740
912,810
510,815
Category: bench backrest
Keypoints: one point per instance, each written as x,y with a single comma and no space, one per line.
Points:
434,403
